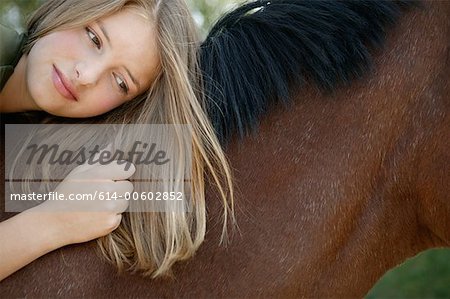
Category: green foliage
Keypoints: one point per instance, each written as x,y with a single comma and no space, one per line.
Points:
25,6
425,276
15,12
206,12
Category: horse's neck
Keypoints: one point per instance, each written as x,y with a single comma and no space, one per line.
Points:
343,169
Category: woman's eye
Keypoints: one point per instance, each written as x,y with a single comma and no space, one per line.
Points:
94,38
122,85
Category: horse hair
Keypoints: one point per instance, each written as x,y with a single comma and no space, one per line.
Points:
253,54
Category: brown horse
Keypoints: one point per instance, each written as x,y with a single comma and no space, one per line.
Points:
331,192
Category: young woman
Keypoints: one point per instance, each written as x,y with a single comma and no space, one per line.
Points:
121,62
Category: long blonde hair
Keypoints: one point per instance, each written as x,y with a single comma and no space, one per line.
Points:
151,242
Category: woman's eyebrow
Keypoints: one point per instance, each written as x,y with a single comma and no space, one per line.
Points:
105,33
133,79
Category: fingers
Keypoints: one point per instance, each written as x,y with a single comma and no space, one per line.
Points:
121,206
122,187
116,222
115,199
118,202
116,170
96,168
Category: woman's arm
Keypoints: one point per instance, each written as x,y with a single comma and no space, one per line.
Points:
25,237
53,224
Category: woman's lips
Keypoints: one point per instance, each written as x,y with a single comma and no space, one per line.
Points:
62,85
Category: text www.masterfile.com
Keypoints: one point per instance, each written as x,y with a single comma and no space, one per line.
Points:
158,195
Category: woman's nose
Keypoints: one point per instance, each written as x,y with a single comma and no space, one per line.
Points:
88,73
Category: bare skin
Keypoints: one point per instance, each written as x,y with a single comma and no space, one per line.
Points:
54,224
96,65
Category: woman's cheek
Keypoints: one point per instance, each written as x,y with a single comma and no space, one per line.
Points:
108,103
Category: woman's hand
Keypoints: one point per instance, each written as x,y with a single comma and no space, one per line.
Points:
53,224
103,188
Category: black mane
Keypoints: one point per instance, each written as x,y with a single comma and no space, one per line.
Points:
254,53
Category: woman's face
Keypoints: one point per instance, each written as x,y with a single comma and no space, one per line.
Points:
88,71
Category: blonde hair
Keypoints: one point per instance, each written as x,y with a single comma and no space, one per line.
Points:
150,242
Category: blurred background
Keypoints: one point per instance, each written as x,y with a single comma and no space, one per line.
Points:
425,276
14,12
